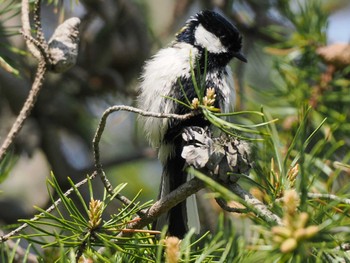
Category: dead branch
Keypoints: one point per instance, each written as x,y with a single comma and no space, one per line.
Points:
59,55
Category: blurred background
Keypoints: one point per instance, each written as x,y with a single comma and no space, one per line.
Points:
284,73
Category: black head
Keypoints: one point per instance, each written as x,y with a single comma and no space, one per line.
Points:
210,30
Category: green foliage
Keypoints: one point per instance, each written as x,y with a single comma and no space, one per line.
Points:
84,230
8,254
5,166
69,234
9,9
236,129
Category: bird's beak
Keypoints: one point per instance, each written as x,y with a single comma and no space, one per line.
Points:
240,56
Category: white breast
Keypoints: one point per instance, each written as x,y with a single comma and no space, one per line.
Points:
160,74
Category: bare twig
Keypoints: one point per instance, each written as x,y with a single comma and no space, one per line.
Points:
26,28
64,47
37,22
26,109
41,47
48,210
99,132
165,204
37,84
329,197
257,206
42,44
223,204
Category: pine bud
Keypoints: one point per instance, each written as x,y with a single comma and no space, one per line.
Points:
311,231
172,250
291,201
195,103
288,245
281,231
95,213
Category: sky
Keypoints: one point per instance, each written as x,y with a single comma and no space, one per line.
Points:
339,26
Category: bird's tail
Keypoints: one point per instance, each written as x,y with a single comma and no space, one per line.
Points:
184,215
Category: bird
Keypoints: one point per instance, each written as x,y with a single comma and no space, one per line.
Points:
207,43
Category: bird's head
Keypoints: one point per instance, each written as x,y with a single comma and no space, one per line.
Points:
211,31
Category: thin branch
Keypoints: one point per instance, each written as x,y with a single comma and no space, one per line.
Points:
41,55
37,23
165,204
326,197
26,109
248,200
258,207
223,204
48,210
345,247
329,197
41,46
99,132
26,28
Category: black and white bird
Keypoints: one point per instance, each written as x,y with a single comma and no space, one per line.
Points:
207,36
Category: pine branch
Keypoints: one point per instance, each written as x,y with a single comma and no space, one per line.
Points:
260,209
20,253
48,210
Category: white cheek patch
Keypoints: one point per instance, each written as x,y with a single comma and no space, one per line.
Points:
208,40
